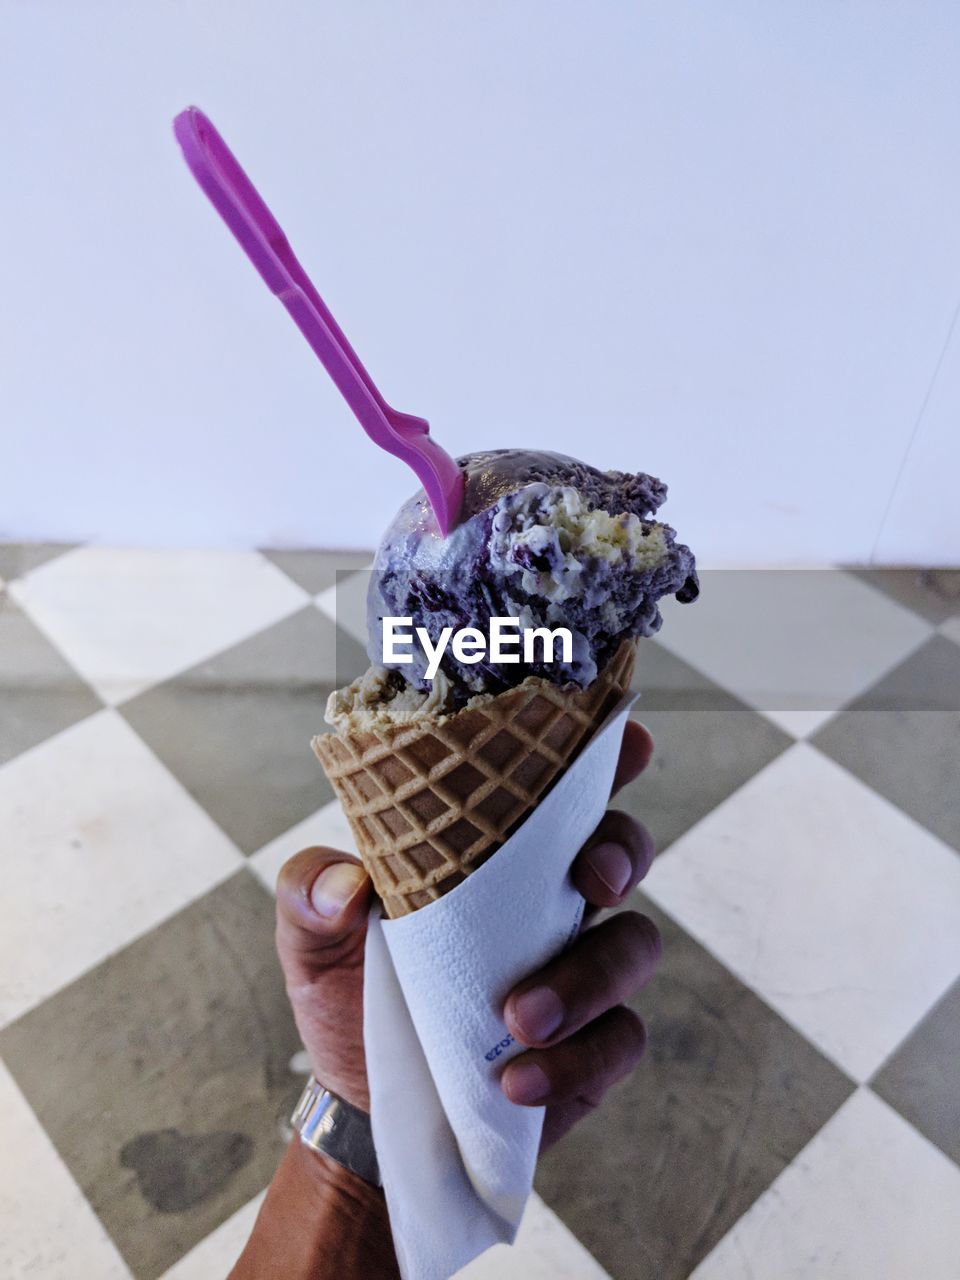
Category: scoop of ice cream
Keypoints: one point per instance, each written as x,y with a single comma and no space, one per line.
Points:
382,699
543,538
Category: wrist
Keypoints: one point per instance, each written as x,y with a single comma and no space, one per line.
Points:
319,1221
327,1180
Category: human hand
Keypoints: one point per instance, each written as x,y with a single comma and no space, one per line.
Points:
324,898
581,1038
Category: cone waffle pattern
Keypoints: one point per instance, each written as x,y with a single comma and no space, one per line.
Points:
430,801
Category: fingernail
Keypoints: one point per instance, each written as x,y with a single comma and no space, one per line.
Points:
611,864
334,887
527,1083
538,1012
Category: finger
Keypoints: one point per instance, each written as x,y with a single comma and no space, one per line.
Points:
560,1117
635,752
323,898
615,858
581,1068
603,968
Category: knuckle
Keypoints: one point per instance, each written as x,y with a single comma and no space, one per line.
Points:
619,1046
606,1054
598,1068
639,936
609,977
612,960
632,1036
620,827
599,1056
625,949
633,834
592,1094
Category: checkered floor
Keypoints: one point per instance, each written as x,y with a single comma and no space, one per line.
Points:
798,1113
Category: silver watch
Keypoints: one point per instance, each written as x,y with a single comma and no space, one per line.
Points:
336,1129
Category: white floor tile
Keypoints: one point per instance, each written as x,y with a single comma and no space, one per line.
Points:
794,644
328,826
127,619
797,722
544,1250
346,604
951,628
867,1197
827,900
100,843
47,1228
213,1257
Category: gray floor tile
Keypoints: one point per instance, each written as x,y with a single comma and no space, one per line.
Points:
902,737
921,1079
18,558
236,730
706,744
162,1076
726,1096
40,693
315,571
793,644
933,593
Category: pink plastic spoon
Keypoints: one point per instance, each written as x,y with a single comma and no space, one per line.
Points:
236,200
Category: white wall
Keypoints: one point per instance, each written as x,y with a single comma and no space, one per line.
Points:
718,241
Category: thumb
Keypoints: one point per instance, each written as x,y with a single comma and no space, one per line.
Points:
323,900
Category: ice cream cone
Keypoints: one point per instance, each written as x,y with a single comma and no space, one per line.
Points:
430,801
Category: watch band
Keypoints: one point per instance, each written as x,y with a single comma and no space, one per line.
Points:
328,1124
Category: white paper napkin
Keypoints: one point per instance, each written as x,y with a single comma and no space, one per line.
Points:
456,1157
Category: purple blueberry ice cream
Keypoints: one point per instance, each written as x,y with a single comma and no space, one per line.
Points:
542,538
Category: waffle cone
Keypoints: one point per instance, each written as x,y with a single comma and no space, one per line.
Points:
430,801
